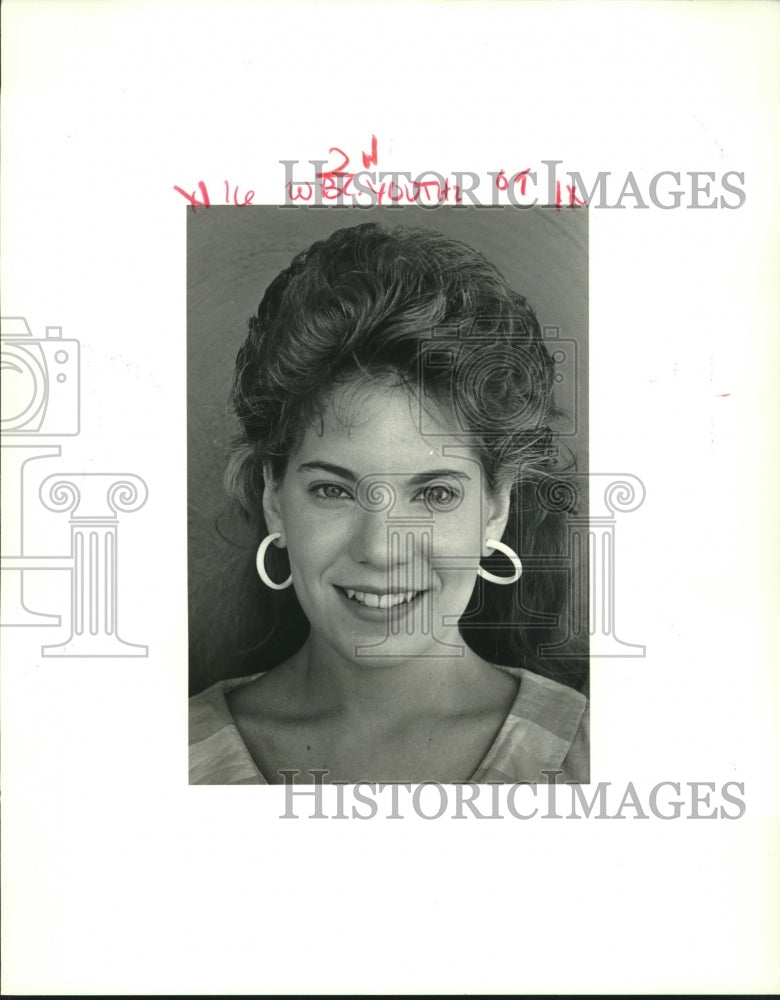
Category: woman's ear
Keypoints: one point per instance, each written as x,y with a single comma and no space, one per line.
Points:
271,507
497,510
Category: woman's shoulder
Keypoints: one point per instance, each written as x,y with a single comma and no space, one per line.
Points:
548,693
209,706
545,736
218,755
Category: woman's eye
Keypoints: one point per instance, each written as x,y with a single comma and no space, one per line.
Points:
440,497
330,491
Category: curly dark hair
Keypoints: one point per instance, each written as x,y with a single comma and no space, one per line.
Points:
430,313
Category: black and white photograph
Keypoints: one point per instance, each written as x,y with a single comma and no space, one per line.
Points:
407,600
390,552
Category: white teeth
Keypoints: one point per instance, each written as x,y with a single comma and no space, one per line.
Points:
370,600
391,600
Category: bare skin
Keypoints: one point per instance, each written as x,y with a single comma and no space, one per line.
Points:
435,719
427,708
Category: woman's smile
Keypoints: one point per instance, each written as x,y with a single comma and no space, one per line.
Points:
370,606
375,599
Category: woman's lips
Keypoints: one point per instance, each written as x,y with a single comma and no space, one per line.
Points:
374,603
370,599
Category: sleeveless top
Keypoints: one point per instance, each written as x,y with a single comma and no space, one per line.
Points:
546,729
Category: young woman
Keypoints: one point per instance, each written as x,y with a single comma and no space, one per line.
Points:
395,404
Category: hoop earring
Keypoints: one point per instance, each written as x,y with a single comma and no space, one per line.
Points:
510,554
260,563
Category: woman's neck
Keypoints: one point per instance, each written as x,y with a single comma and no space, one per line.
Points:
355,689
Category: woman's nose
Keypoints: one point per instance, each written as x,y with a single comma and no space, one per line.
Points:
371,541
398,549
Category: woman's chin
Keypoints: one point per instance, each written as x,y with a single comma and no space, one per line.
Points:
375,636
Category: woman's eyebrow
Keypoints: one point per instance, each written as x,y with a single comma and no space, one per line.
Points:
334,470
424,477
415,480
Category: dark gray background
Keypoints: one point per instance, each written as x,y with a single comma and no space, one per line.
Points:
234,253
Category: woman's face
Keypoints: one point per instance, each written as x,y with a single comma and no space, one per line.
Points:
384,526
